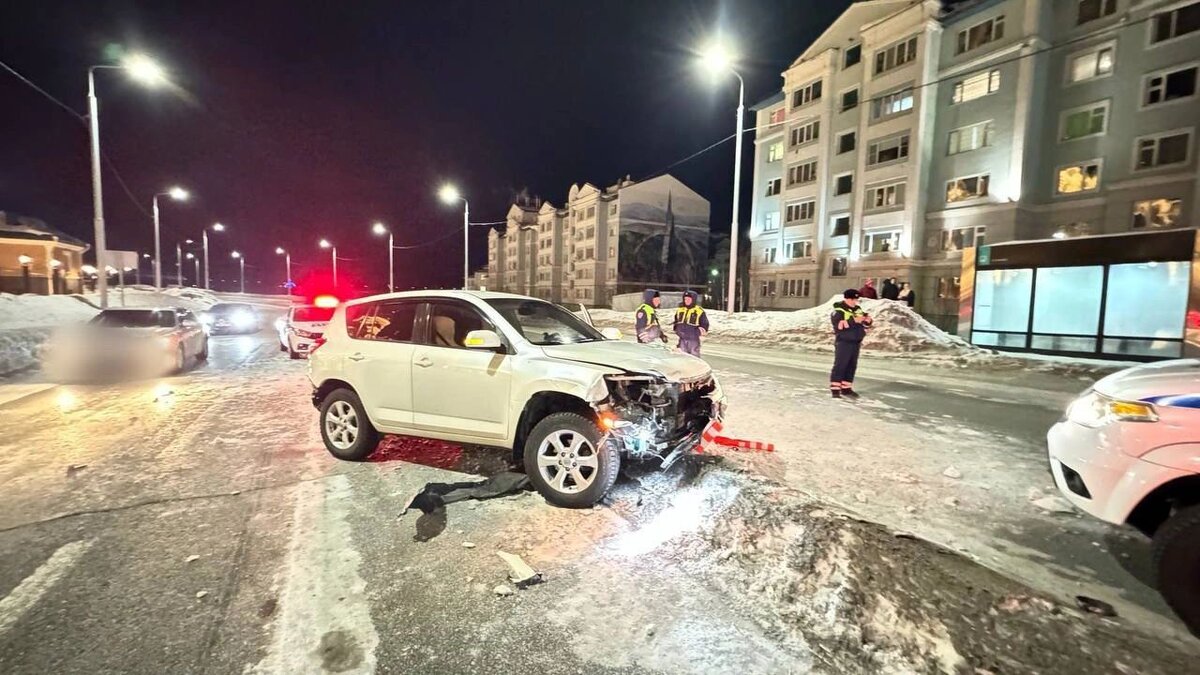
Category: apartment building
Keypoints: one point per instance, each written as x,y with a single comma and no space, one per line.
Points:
603,242
912,131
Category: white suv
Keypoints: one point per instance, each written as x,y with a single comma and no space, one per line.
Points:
1128,451
509,371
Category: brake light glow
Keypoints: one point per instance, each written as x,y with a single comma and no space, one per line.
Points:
325,301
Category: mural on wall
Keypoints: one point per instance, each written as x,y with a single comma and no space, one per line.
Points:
664,235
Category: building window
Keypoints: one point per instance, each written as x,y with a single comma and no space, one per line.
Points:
976,86
846,142
769,254
774,186
1083,177
887,150
802,173
980,34
1088,120
884,197
797,212
850,99
591,212
843,184
837,267
971,138
775,152
1167,86
1164,150
890,105
799,249
841,226
881,242
1090,10
778,116
612,251
771,221
948,288
805,134
1092,63
796,288
963,238
1175,23
896,55
1157,213
970,187
612,209
853,56
807,94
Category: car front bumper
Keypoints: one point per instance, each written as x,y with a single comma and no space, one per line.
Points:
1093,473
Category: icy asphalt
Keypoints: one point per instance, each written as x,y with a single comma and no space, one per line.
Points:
196,525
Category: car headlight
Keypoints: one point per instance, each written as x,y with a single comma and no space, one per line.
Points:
1094,409
242,319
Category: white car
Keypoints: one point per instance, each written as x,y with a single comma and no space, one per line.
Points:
509,371
301,328
1128,452
120,342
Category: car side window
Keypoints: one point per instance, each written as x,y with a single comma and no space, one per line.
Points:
393,321
358,320
166,319
188,319
449,323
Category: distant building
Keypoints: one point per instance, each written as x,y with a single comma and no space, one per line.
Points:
478,280
910,132
37,258
603,242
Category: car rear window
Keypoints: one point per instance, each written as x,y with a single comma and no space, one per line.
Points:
134,318
229,308
312,314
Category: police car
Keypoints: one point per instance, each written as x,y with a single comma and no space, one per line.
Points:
302,326
1128,451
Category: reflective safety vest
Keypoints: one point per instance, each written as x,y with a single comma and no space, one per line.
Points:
848,314
651,315
689,315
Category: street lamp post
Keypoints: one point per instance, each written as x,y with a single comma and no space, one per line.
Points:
333,256
179,195
287,261
380,229
179,260
450,194
217,227
195,270
241,268
145,70
716,59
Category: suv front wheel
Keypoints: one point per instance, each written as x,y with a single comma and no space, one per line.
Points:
567,462
1177,557
347,432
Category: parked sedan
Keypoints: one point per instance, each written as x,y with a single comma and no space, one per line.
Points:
120,343
301,328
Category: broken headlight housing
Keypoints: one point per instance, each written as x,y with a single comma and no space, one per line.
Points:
650,416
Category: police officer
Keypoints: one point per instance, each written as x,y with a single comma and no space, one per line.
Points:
850,325
690,323
646,321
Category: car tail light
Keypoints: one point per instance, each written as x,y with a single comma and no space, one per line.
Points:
317,342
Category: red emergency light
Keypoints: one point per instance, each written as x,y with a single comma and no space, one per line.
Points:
325,301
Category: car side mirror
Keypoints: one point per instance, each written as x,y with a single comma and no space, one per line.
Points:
486,340
611,333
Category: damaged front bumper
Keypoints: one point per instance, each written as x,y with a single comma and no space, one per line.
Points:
650,417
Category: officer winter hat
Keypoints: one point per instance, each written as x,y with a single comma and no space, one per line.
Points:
851,294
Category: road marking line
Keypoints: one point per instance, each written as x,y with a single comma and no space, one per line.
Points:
33,587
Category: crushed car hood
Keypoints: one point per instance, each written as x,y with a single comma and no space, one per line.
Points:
633,358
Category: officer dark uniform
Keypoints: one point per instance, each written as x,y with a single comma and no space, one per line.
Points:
850,324
646,322
690,323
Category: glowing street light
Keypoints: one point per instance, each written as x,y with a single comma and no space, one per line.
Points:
180,195
333,256
380,229
449,195
142,69
717,60
242,265
287,261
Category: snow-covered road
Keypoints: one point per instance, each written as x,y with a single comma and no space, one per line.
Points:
195,524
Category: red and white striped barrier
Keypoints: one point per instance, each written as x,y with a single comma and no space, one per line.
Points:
739,444
709,436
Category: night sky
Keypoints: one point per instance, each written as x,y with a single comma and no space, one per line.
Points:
293,121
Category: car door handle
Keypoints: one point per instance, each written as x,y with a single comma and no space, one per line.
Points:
357,356
423,362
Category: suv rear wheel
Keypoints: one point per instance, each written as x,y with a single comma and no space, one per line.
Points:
567,462
345,429
1177,560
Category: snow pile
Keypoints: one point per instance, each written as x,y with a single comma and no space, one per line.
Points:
897,328
29,311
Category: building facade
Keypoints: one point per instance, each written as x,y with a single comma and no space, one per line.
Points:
603,242
37,258
911,131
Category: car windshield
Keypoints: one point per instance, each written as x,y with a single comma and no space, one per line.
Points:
133,318
305,314
229,308
543,323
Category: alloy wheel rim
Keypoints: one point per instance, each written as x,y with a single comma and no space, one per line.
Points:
341,425
567,461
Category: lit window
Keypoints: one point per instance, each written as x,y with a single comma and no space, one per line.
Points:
980,34
1090,120
1170,86
948,288
1175,23
1083,177
976,86
1093,63
971,187
778,116
892,104
971,138
1164,150
774,154
1157,213
771,222
881,242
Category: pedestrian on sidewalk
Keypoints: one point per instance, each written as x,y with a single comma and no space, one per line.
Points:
868,290
891,289
850,325
691,323
907,295
646,325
